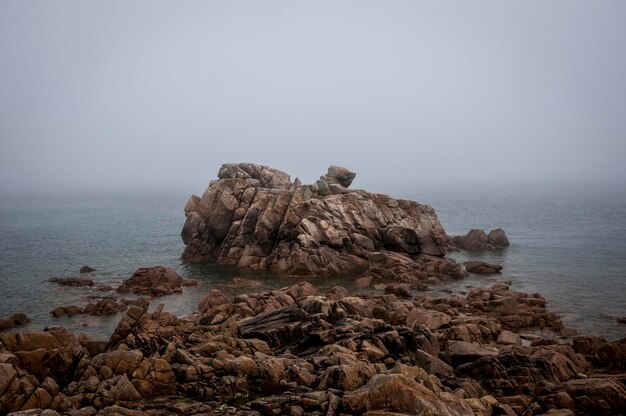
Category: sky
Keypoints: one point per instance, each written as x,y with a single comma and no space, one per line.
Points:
98,95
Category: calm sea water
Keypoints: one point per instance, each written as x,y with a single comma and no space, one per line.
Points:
568,245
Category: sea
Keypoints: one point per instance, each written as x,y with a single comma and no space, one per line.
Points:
568,243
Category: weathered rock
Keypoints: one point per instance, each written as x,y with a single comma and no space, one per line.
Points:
51,353
400,394
509,338
253,217
211,299
153,281
459,352
106,306
480,267
297,351
597,396
337,174
17,319
87,269
478,240
604,354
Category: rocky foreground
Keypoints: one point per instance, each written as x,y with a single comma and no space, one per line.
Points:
296,351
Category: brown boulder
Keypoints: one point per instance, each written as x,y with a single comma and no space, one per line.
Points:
49,353
17,319
478,240
337,174
211,299
153,281
400,394
480,267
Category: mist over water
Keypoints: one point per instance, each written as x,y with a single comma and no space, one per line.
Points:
568,246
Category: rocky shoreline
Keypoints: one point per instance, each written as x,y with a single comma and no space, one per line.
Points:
297,351
388,350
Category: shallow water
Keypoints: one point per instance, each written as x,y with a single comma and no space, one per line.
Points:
571,247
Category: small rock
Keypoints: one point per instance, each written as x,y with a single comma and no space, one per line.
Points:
153,281
87,269
509,338
480,267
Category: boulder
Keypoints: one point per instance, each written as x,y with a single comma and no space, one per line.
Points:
211,299
87,269
50,353
17,319
459,352
400,394
509,338
478,240
253,217
480,267
337,174
153,281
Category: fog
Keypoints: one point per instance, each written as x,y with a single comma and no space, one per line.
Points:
100,95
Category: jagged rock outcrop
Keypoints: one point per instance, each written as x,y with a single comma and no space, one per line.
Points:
254,217
478,240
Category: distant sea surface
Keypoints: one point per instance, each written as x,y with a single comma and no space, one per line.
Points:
568,245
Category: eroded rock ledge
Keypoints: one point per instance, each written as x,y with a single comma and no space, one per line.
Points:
255,217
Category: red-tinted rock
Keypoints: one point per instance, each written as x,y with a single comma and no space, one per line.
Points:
153,281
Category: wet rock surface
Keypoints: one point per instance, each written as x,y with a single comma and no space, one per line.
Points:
300,351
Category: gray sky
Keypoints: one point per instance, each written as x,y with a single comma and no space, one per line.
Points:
147,94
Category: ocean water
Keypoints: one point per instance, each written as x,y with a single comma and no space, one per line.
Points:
569,245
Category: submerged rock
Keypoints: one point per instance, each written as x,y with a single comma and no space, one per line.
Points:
87,269
254,217
17,319
480,267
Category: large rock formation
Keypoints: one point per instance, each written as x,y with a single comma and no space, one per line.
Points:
255,217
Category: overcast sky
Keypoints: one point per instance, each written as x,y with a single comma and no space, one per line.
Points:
154,94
